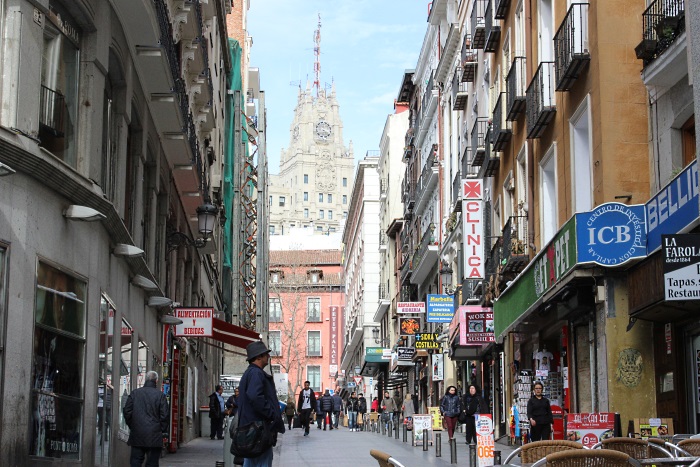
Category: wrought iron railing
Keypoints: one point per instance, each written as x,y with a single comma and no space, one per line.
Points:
493,31
479,130
540,100
457,189
428,94
383,238
515,86
662,22
383,292
501,133
204,44
52,111
501,9
427,172
571,51
477,23
516,252
426,241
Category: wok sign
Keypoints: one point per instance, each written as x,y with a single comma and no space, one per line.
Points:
196,322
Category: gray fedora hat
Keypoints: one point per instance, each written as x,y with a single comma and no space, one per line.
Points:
255,349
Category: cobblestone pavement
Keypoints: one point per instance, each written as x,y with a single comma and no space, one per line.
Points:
336,448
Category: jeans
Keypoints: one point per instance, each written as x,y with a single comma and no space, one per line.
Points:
352,420
336,418
263,460
138,454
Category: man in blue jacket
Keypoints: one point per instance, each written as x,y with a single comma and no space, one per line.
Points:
258,401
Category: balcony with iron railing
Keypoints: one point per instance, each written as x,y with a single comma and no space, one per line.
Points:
409,148
383,240
478,137
428,106
406,268
516,85
428,179
516,252
492,161
447,53
408,197
502,131
541,100
426,256
469,60
492,286
477,23
457,193
501,9
465,163
460,93
492,29
571,51
384,302
662,23
52,112
383,188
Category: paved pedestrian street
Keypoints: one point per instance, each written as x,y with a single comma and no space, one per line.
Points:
337,448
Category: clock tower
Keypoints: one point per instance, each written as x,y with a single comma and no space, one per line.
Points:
314,184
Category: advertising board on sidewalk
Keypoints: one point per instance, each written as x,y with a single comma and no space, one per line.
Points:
484,440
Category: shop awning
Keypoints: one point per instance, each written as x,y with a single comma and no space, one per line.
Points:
231,334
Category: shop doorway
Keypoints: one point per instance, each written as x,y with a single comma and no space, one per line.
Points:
695,371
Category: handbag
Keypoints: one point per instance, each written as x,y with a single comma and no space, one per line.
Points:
251,440
462,417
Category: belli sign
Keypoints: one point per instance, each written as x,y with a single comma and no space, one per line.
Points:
473,228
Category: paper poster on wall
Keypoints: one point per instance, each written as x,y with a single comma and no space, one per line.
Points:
438,366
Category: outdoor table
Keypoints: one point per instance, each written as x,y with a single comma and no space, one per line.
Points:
668,461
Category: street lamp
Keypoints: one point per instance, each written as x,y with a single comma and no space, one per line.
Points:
446,278
377,339
206,218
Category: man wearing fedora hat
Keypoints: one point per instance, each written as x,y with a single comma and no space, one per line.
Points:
258,401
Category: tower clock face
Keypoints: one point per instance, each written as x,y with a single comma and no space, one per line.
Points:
323,130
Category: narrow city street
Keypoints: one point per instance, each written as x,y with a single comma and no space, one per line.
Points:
337,448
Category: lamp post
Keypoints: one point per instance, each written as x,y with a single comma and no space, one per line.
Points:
206,220
446,278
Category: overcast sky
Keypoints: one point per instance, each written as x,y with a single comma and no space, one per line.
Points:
365,47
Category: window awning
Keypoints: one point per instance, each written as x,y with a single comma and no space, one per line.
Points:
231,334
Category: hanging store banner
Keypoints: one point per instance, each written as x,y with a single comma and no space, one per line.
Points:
473,228
441,308
476,325
681,257
403,308
335,314
438,367
405,356
409,326
612,234
674,207
196,322
427,341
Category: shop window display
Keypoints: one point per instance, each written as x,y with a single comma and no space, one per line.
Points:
124,374
58,364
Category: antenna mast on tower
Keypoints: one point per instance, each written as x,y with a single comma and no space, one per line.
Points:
317,54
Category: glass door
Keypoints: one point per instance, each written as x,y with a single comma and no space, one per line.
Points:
105,386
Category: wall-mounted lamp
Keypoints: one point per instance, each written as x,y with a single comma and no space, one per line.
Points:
126,250
377,340
206,218
6,170
170,319
82,213
446,278
144,282
159,302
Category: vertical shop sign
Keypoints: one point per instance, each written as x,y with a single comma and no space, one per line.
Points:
681,260
334,311
484,440
175,401
473,228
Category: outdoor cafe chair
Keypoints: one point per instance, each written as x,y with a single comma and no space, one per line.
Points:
633,447
532,452
587,458
675,450
691,445
384,459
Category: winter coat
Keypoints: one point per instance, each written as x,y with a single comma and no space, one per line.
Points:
147,414
450,405
388,405
407,408
326,403
257,400
474,404
352,404
539,410
312,400
362,408
375,405
291,409
397,402
214,405
337,403
232,405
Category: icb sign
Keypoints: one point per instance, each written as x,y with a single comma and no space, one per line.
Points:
611,234
681,256
196,322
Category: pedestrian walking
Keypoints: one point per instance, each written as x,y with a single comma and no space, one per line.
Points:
397,405
352,407
408,411
361,410
307,405
375,405
450,407
232,403
217,405
290,411
473,404
147,415
388,408
258,400
539,413
337,408
327,409
319,413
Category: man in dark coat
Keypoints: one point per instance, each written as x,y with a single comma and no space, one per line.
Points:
327,409
306,404
216,413
337,408
361,410
147,414
258,399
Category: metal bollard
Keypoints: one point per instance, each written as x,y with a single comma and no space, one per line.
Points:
219,464
453,451
383,428
472,454
389,428
496,457
396,430
405,433
425,439
438,444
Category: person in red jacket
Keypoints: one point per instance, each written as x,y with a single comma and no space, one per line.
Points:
375,405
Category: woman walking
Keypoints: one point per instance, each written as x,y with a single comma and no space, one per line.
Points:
473,404
450,407
408,412
539,414
290,411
